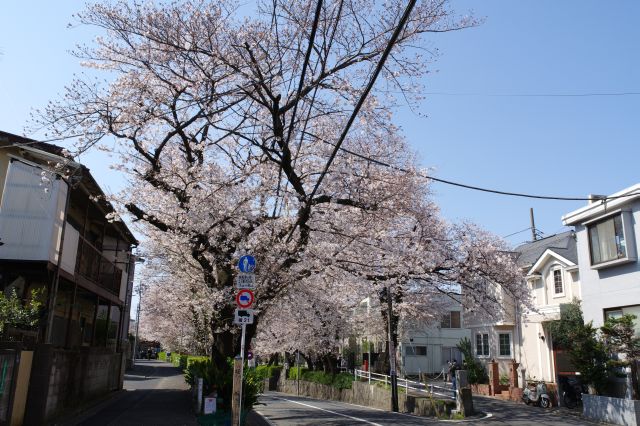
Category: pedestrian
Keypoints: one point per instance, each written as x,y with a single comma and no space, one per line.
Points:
452,374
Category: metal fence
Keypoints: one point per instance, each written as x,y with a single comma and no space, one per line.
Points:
429,389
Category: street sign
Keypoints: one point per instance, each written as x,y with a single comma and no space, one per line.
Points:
243,316
244,298
246,281
247,264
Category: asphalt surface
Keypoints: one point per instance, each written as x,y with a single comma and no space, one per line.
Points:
155,394
281,409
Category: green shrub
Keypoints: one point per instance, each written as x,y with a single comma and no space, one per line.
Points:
476,371
221,380
340,381
504,380
266,371
162,356
293,373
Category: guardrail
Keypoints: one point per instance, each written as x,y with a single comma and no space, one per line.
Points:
428,388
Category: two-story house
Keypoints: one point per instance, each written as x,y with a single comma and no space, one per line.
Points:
55,236
518,333
550,266
426,348
607,235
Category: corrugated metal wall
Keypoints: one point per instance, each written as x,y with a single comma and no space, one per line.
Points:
31,214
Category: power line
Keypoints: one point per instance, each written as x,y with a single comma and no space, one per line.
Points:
518,232
385,54
529,95
476,188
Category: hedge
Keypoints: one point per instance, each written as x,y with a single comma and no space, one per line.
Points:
340,381
266,371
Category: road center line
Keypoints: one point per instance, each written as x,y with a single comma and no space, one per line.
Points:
328,411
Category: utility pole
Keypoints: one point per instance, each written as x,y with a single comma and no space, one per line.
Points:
298,370
534,236
392,354
135,341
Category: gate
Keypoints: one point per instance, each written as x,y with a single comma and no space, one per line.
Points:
9,359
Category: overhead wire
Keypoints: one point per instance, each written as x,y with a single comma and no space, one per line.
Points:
396,33
477,188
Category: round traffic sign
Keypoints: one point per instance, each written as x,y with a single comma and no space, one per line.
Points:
244,298
247,264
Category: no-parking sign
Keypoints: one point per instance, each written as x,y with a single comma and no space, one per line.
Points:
244,298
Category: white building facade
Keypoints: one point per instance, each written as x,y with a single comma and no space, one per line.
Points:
426,349
607,236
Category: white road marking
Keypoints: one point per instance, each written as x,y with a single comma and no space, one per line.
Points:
328,411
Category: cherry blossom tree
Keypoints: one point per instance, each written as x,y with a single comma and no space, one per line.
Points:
232,133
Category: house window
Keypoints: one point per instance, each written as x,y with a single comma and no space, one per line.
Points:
504,340
451,320
606,240
558,285
627,310
482,344
415,350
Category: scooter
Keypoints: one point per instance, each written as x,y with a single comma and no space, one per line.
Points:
537,394
572,391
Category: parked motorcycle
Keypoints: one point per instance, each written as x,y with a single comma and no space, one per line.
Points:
572,391
536,394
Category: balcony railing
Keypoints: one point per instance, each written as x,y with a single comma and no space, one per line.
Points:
92,265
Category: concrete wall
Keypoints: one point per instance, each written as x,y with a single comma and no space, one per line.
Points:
611,410
613,286
62,380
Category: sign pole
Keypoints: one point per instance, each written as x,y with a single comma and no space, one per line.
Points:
244,329
392,354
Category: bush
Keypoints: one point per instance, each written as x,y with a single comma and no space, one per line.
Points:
476,371
221,380
266,371
339,381
162,356
504,380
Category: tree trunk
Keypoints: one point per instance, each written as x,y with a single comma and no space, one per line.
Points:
308,360
329,362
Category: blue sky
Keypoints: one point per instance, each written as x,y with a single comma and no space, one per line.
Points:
480,134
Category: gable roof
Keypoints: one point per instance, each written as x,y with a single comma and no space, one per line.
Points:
563,245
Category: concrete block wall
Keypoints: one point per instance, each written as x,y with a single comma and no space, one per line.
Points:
62,380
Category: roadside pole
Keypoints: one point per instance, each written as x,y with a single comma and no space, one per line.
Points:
245,282
392,355
298,370
244,330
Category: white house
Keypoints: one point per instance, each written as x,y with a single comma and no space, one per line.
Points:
607,235
551,269
517,333
426,349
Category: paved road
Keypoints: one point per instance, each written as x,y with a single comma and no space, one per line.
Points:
283,410
155,394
